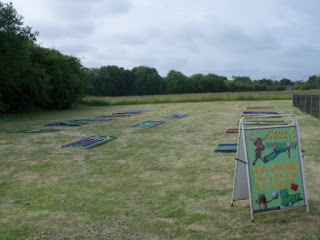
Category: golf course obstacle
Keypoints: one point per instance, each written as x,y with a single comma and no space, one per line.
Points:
67,123
148,124
269,168
3,141
261,116
47,130
137,111
126,113
114,116
226,148
176,116
265,122
89,142
92,119
260,112
232,130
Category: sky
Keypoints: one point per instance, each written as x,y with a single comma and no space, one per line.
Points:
257,38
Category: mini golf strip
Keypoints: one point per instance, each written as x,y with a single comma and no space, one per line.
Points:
67,123
265,123
226,148
147,124
89,142
114,116
232,130
260,112
176,116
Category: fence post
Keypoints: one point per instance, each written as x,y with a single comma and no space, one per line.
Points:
311,105
300,102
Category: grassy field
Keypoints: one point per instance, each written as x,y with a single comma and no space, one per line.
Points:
195,97
159,183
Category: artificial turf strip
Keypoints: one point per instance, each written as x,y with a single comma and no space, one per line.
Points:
89,142
176,116
147,124
232,130
120,113
114,116
265,123
260,116
226,148
34,130
68,123
137,111
260,112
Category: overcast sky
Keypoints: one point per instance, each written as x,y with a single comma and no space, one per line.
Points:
256,38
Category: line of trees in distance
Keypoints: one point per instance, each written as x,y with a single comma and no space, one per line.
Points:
144,80
32,76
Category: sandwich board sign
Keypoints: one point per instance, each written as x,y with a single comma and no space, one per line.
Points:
269,168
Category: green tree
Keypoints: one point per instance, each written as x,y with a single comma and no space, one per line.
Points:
313,82
177,82
198,83
15,42
214,83
147,81
285,82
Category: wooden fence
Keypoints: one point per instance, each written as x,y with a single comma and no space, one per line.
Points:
308,104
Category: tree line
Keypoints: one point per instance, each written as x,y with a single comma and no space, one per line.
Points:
144,80
32,76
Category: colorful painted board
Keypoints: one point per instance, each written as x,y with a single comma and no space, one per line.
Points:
176,116
269,170
89,142
147,124
226,148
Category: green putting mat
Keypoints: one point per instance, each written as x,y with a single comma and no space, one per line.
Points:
226,147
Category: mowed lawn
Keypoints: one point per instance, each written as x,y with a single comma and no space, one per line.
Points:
159,183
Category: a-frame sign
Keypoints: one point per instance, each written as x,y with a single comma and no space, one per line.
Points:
269,167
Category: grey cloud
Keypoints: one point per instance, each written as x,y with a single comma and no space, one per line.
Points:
254,38
75,30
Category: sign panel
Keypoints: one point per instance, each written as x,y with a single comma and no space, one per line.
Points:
274,168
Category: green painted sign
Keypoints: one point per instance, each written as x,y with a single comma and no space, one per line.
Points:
274,166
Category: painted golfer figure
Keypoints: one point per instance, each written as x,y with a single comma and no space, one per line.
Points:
262,200
259,145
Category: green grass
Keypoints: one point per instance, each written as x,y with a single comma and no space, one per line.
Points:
159,183
185,98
